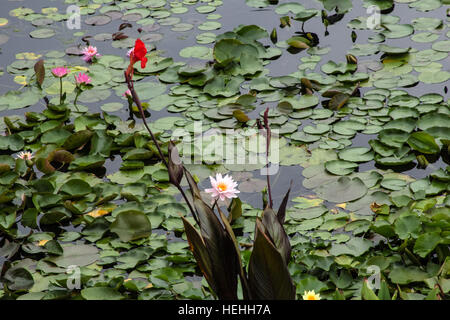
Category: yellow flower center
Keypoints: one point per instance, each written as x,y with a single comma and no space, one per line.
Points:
311,297
222,186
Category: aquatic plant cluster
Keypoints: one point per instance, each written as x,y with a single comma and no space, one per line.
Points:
94,203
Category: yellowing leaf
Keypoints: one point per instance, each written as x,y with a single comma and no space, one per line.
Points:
79,68
42,243
98,212
148,286
49,10
28,56
20,80
3,22
342,205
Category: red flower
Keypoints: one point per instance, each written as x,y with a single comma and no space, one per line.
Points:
138,53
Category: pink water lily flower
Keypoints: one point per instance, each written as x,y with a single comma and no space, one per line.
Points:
82,78
222,187
89,52
60,72
127,94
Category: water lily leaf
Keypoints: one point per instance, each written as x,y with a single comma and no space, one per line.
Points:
426,5
426,243
199,52
87,162
305,15
42,33
423,142
424,37
395,31
354,247
436,124
77,139
338,101
340,167
299,42
443,46
357,154
210,25
405,275
76,188
224,86
343,189
342,6
101,293
407,226
393,184
227,50
434,77
17,278
332,67
131,225
80,255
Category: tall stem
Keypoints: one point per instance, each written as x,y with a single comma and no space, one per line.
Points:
141,111
268,136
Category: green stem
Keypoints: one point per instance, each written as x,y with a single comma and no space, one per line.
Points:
60,91
137,101
76,98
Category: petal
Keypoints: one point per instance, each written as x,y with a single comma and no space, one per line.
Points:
144,62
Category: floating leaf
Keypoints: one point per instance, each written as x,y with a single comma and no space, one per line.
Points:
342,190
131,225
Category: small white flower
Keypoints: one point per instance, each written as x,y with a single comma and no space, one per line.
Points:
222,187
25,155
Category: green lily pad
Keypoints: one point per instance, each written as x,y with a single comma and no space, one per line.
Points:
343,189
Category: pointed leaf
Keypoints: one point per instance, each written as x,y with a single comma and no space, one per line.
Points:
198,248
276,233
220,248
282,209
269,277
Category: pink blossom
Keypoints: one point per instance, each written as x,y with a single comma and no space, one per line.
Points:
222,187
89,52
60,72
127,94
130,52
82,78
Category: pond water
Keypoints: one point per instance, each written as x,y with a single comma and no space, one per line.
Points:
399,89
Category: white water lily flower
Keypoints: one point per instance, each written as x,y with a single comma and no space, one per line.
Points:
222,187
25,155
